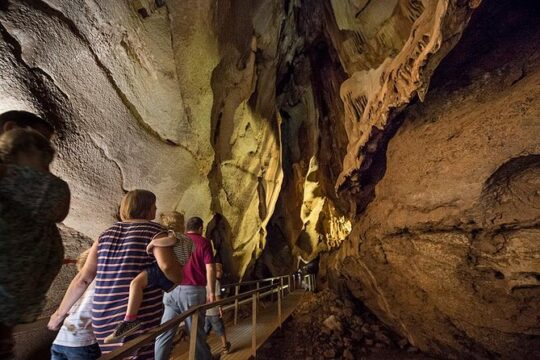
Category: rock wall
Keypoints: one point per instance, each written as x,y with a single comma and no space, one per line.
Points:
305,130
447,252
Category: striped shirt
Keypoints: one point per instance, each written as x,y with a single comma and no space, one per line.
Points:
122,256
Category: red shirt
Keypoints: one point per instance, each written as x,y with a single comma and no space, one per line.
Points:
195,269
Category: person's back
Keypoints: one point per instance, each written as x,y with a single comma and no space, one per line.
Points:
31,202
192,291
194,272
114,260
22,290
122,256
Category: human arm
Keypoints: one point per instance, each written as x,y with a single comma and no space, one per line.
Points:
219,297
168,264
76,289
211,282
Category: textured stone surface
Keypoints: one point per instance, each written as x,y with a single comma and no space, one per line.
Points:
300,128
447,252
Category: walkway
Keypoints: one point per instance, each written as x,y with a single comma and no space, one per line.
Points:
240,335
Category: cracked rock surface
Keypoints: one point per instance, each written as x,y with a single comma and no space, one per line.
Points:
447,252
393,142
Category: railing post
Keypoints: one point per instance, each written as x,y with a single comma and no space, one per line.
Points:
281,285
193,335
236,289
258,287
289,283
279,308
254,325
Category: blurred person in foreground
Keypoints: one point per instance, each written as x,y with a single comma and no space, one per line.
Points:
32,201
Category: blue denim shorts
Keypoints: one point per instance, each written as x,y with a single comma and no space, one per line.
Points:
90,352
157,278
214,322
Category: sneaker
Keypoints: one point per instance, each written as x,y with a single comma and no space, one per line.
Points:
225,350
123,329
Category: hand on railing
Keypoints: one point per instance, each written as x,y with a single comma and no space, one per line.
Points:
252,296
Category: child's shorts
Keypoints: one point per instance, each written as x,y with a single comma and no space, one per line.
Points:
214,322
157,278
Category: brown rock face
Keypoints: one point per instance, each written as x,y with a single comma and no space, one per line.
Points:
447,252
396,141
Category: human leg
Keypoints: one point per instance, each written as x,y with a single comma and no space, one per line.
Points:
130,324
191,296
57,352
218,326
207,326
136,288
164,341
225,345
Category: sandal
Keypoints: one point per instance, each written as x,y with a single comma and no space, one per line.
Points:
225,349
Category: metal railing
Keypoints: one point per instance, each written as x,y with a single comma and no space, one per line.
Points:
277,287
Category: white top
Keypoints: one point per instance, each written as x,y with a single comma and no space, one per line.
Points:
215,310
77,328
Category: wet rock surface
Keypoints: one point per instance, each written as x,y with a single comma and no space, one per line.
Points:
325,326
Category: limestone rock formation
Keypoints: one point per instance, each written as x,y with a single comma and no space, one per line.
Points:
448,252
342,130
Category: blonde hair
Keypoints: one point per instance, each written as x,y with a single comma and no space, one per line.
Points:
136,204
17,141
172,220
81,260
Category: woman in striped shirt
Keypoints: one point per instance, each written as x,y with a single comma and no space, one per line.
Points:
114,260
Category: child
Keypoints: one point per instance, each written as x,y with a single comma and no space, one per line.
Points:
76,337
182,247
214,316
31,252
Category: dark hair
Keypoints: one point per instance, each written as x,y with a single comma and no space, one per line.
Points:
24,119
17,141
194,224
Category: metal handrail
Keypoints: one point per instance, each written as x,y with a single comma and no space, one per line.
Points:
250,282
131,346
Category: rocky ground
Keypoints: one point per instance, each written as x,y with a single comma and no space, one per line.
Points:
326,327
